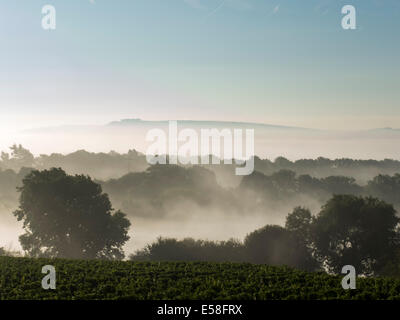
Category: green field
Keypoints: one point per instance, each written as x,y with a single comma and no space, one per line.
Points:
20,278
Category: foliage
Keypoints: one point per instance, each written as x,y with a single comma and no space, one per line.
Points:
357,231
18,159
348,230
162,188
385,187
175,186
272,245
167,249
275,245
98,165
87,280
69,216
299,222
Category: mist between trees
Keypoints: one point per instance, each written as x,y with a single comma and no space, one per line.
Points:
350,228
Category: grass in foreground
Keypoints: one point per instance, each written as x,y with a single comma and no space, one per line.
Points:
20,278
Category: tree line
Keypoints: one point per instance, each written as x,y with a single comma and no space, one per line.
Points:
109,165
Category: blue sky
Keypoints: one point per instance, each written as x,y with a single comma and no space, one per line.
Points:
283,62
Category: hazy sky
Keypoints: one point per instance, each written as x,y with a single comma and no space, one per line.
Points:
284,62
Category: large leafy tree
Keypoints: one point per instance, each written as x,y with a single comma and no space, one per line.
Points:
69,216
358,231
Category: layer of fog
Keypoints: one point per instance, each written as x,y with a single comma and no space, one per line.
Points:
185,219
10,230
270,143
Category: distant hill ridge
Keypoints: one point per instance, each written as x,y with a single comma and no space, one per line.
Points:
206,123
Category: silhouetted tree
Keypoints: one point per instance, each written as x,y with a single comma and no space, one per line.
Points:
69,216
358,231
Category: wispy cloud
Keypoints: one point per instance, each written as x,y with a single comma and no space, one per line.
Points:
92,1
216,9
276,9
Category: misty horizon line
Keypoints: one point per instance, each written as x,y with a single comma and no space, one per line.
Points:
125,122
138,153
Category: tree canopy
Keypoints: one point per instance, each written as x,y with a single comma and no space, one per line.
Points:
358,231
70,217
